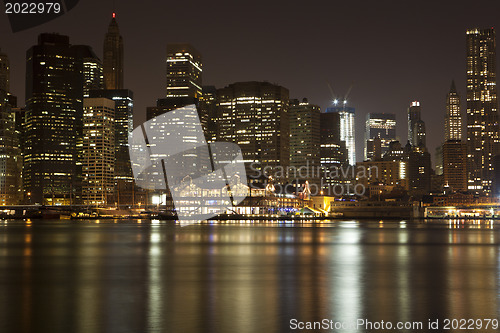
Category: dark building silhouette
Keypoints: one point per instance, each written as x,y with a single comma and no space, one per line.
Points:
333,153
113,57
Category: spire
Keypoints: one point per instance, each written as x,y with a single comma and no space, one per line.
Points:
453,89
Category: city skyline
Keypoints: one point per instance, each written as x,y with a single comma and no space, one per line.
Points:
413,75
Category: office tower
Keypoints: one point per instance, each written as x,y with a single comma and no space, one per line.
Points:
184,72
254,115
347,133
305,139
383,126
184,81
124,124
113,57
453,116
10,172
207,111
419,134
455,165
333,153
98,151
413,117
55,81
482,107
92,70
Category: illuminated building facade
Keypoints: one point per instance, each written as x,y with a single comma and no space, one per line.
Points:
453,116
98,161
389,173
255,116
347,130
305,138
413,117
184,72
333,154
113,57
123,115
379,125
482,108
207,111
10,155
55,81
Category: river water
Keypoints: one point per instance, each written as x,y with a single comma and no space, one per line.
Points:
244,276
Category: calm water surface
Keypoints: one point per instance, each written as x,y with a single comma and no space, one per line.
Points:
234,276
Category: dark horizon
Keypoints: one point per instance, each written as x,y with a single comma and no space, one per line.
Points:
394,53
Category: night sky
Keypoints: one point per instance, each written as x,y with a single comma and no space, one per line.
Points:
394,51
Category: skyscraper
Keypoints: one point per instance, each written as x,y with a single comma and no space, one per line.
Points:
113,56
383,126
419,134
413,117
10,173
123,126
453,116
482,108
55,83
98,151
333,152
305,138
184,72
254,115
208,112
347,130
454,165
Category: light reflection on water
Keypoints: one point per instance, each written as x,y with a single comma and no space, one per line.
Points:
242,276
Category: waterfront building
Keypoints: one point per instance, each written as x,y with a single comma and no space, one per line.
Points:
98,152
10,154
55,83
482,108
125,191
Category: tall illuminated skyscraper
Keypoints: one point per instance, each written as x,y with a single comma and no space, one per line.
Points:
184,72
453,116
113,58
482,108
347,130
10,155
254,115
123,126
383,126
98,151
413,117
55,84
